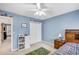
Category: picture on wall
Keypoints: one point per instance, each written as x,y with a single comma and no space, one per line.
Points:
24,25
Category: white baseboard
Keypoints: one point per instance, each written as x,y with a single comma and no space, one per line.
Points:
14,50
47,42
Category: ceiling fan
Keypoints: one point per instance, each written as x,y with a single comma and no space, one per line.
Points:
39,11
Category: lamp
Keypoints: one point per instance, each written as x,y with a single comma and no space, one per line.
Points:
59,36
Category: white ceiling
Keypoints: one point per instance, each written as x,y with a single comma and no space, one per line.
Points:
24,9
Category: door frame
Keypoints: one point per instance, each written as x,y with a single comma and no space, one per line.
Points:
10,22
12,49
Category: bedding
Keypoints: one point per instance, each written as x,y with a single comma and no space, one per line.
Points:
68,49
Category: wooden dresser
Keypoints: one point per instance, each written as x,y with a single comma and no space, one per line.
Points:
58,43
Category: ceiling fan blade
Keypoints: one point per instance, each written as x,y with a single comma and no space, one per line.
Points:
45,9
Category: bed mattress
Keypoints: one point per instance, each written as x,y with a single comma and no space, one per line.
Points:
68,49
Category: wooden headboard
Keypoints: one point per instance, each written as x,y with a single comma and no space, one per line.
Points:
71,35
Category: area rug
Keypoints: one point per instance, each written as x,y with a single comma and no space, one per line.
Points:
39,51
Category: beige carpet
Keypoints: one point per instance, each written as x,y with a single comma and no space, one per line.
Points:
5,46
34,47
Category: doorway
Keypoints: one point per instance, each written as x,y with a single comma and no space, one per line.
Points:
6,34
6,31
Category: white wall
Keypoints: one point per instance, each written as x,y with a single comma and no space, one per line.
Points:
6,20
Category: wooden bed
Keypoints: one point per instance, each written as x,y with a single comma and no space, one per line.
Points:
72,35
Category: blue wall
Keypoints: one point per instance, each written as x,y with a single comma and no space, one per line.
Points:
17,29
17,21
55,25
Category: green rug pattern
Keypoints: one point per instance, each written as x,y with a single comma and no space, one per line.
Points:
40,51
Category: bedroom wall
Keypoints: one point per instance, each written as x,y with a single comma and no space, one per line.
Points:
55,25
17,29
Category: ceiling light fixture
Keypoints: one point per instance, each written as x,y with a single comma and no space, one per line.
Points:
39,11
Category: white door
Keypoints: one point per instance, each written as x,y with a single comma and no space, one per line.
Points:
8,29
35,32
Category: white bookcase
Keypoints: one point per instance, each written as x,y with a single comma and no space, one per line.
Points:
21,42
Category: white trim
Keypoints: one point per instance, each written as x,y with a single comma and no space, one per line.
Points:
14,50
12,35
47,42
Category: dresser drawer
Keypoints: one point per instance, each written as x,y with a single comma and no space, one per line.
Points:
58,43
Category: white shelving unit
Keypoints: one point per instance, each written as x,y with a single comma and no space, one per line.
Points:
21,42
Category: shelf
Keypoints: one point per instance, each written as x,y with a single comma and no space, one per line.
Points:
21,42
